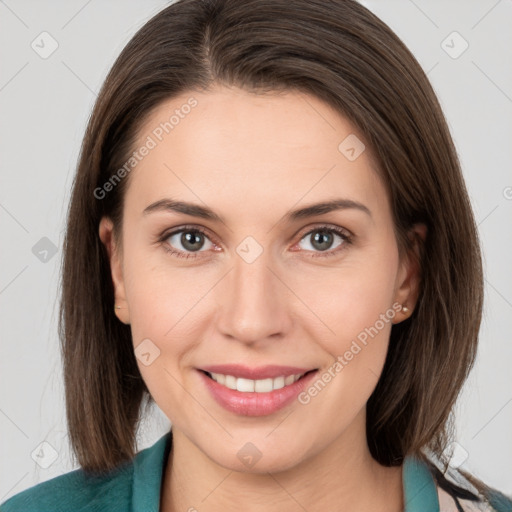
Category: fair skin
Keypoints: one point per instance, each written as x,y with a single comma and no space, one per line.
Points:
251,159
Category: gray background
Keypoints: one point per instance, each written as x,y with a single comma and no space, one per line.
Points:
44,105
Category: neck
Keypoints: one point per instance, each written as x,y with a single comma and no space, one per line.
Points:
342,476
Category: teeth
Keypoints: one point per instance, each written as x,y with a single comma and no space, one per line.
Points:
259,386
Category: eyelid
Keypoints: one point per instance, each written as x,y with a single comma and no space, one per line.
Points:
328,227
167,233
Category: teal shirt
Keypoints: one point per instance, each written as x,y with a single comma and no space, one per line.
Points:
135,487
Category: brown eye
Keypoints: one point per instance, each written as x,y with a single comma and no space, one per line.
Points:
186,241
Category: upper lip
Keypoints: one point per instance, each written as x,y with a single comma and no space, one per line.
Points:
260,372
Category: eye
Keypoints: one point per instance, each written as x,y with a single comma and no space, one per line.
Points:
186,241
323,240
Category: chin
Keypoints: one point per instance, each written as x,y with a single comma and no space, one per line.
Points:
256,458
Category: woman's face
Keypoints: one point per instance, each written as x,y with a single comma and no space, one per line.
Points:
259,285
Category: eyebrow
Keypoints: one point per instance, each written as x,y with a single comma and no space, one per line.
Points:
204,212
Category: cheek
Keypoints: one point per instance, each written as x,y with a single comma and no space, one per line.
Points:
171,307
162,303
350,306
155,294
166,308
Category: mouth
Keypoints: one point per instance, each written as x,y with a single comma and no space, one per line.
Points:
277,387
245,385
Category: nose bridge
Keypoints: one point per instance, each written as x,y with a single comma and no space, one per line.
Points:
252,306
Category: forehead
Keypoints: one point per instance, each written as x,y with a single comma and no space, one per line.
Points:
243,150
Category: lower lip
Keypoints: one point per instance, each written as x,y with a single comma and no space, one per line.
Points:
252,403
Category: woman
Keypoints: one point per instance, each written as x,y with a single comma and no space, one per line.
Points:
270,237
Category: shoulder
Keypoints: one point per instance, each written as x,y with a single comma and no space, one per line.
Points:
77,491
133,485
493,501
456,493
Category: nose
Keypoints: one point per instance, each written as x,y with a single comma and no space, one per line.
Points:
253,301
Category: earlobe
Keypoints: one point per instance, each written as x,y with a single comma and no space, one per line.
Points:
106,235
409,277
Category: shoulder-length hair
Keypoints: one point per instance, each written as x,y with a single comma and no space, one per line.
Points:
341,53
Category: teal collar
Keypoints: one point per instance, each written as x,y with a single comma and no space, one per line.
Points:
420,492
148,471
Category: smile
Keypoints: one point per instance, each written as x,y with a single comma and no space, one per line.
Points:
251,386
255,397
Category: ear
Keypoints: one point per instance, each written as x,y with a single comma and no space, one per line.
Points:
116,269
409,274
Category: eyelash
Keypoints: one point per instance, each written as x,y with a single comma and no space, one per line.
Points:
347,240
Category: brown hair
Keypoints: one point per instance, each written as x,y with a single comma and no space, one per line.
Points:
340,52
